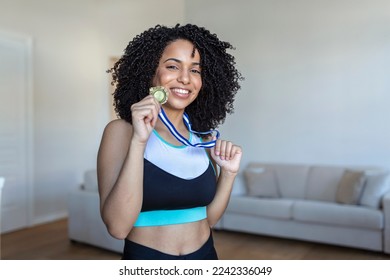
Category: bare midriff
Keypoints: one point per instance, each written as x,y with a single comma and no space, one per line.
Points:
179,239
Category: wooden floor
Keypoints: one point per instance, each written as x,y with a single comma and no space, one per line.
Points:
50,242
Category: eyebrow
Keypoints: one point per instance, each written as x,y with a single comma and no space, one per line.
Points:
179,61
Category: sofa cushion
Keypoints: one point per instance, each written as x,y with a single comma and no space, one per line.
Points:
90,181
264,207
337,214
376,186
350,187
261,182
322,182
291,178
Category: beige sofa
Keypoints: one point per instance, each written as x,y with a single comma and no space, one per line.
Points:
328,204
347,206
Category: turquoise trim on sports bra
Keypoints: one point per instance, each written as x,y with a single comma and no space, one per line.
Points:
171,217
169,144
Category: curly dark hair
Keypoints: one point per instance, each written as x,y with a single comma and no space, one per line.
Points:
133,73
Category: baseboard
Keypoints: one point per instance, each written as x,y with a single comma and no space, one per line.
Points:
49,218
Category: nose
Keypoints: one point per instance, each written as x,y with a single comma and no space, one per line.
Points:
184,77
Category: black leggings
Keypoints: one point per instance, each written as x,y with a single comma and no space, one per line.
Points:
135,251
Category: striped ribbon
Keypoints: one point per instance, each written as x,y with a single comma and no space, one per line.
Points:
163,117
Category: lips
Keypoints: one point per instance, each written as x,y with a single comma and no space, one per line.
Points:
180,92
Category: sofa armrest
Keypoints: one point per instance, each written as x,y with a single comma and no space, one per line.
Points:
77,215
386,214
85,223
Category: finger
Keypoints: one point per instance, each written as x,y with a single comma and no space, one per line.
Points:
156,111
157,107
236,150
147,102
146,113
223,150
217,147
228,153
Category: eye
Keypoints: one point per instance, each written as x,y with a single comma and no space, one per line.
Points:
196,71
172,67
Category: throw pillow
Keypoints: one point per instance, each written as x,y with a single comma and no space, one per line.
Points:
350,187
261,183
376,186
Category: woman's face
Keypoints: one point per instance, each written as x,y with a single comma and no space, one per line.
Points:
179,71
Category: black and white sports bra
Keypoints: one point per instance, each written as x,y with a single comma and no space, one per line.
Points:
179,182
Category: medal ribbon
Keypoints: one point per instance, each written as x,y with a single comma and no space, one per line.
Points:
163,117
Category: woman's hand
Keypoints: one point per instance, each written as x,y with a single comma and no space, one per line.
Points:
227,156
144,117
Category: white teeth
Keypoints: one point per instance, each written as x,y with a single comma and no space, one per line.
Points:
181,91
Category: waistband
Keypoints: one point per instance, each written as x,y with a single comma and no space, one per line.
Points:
171,217
136,251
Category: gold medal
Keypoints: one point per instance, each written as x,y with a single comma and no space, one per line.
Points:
160,93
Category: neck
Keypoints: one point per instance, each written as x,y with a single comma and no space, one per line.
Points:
175,117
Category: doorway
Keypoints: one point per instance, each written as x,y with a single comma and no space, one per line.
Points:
16,131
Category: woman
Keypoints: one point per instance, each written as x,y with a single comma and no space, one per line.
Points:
160,196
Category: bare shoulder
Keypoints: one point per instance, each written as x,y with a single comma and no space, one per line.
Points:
118,126
116,136
118,130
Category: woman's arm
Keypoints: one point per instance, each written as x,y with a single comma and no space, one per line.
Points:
120,167
120,178
228,157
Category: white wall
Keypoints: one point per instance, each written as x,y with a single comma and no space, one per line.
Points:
316,89
72,43
317,86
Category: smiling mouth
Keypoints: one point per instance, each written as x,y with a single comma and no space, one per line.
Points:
180,91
